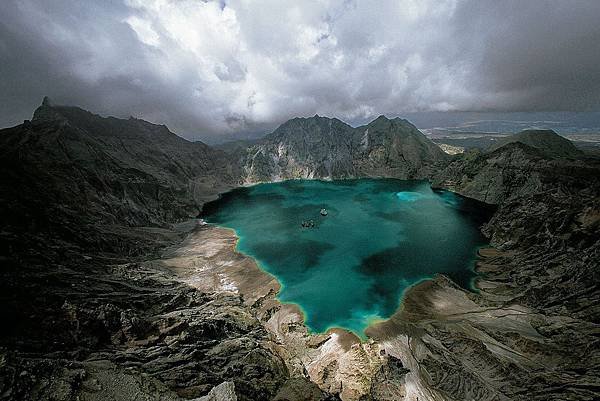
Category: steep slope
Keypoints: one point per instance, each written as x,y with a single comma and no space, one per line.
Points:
320,147
72,172
313,147
528,332
546,141
512,170
394,148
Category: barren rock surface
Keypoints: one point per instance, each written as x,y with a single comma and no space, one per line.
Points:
320,147
112,290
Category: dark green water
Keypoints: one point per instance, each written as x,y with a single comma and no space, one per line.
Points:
379,238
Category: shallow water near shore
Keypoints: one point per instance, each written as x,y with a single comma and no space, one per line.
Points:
379,237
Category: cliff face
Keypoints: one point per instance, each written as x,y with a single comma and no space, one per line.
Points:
395,148
314,147
320,147
88,178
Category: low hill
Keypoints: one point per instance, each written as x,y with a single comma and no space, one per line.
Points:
547,141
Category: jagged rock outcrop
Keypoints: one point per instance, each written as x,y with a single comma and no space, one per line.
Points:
320,147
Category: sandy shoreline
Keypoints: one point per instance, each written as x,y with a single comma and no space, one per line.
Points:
252,280
251,287
337,361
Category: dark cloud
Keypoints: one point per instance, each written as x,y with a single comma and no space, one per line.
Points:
533,55
215,69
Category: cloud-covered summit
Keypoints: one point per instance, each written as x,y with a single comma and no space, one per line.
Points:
208,68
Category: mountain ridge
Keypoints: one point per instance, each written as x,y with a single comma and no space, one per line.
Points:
322,147
546,141
92,203
103,169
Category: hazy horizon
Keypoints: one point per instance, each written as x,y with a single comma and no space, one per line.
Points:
459,121
218,70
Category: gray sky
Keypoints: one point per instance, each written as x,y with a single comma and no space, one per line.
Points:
212,69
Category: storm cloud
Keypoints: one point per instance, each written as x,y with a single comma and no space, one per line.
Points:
212,68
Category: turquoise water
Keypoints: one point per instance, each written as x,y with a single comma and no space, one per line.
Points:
379,238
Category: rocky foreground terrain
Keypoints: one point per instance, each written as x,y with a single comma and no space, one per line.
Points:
112,290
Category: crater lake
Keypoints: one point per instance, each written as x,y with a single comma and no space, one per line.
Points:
345,251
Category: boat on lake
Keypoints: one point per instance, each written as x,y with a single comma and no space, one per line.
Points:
308,224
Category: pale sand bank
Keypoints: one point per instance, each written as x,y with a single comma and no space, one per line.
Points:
338,361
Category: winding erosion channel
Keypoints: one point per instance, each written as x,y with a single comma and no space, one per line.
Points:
338,361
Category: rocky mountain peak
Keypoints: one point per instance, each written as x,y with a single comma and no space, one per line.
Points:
323,147
47,112
98,126
46,101
380,119
309,126
383,121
